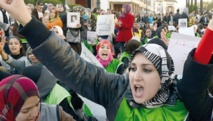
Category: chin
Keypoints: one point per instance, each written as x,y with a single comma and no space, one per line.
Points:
139,101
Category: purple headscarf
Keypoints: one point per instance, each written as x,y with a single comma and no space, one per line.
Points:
127,8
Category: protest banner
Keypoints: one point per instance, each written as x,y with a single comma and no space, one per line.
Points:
179,47
88,56
105,25
91,37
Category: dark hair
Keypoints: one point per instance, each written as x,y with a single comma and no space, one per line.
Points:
22,49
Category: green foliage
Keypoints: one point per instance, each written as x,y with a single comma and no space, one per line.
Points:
193,8
45,1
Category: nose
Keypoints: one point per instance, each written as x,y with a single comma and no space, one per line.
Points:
137,75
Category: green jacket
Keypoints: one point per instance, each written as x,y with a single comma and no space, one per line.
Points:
177,112
113,66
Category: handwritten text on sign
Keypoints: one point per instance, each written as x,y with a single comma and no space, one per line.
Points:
105,25
179,47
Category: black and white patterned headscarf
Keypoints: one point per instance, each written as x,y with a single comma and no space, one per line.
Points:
165,67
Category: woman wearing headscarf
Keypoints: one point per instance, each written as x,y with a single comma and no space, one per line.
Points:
105,57
145,93
20,101
124,26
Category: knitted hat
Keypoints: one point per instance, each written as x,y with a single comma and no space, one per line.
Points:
14,91
165,67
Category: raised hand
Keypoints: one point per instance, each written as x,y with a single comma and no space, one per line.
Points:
17,9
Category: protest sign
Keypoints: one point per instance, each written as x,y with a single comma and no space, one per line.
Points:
88,56
91,37
182,23
171,28
187,31
179,47
73,18
105,25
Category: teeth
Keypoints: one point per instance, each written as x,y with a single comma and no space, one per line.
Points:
138,86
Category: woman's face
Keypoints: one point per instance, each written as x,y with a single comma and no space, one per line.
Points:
104,51
144,79
123,10
32,58
148,33
30,110
14,46
163,32
52,15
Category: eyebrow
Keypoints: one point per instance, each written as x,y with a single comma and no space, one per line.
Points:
144,64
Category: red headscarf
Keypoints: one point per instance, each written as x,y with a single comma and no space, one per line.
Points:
14,91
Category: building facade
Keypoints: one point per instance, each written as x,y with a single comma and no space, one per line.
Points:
165,6
116,5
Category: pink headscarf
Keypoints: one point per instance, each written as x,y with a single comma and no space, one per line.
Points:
104,63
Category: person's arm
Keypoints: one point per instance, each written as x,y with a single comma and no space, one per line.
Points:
57,22
120,69
197,75
64,116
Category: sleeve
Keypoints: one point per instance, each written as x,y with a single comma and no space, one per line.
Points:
120,69
204,50
17,64
193,89
57,22
64,116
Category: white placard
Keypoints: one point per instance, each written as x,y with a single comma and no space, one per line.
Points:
73,18
182,23
179,47
105,25
171,28
91,37
187,31
88,56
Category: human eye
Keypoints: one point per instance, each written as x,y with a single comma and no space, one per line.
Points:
133,69
25,111
147,70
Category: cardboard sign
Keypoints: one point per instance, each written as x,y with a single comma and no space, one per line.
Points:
91,37
88,56
179,47
105,25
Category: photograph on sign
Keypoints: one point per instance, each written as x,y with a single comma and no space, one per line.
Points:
73,18
182,23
